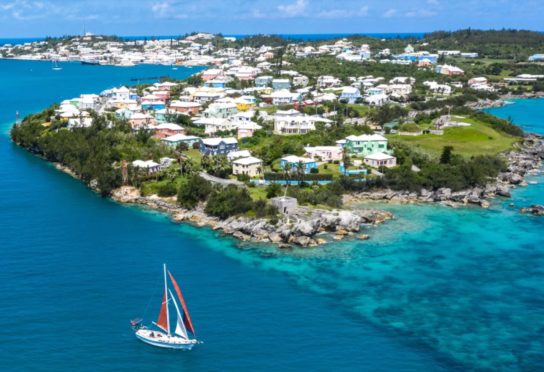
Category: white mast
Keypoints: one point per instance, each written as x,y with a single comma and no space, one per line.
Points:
166,299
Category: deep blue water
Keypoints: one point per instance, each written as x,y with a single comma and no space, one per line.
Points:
302,37
436,289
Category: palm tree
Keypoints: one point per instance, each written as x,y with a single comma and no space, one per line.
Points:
300,170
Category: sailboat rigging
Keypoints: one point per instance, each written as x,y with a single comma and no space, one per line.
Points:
183,335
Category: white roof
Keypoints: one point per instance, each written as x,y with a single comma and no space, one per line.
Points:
379,156
367,137
184,104
247,161
249,125
297,159
322,148
216,141
179,137
144,164
170,126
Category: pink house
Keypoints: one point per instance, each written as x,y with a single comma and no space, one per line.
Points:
324,153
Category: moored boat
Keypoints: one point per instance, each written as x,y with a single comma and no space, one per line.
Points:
161,335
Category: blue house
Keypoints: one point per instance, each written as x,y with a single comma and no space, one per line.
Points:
155,106
536,58
417,57
217,146
350,94
263,81
293,162
215,84
279,84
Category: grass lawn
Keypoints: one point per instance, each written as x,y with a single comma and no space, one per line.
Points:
257,193
194,154
478,139
361,110
331,169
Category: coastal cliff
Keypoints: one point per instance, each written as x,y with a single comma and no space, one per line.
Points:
305,227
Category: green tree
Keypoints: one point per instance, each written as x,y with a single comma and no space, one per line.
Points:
445,158
193,190
229,201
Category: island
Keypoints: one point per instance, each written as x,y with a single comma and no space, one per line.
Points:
281,141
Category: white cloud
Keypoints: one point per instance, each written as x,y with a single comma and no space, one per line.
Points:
421,13
167,9
295,9
343,13
433,2
390,13
26,10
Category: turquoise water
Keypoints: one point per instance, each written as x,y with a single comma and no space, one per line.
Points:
436,289
528,113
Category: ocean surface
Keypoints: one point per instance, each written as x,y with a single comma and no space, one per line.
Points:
301,37
436,289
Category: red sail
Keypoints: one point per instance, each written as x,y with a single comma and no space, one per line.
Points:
187,317
162,322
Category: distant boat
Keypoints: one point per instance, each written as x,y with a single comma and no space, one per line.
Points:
161,335
56,66
89,61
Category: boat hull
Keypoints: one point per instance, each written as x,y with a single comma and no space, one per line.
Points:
159,339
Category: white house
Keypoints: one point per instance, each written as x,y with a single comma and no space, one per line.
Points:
380,159
148,165
221,110
327,81
284,97
324,153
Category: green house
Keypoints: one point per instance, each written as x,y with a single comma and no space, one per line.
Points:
365,144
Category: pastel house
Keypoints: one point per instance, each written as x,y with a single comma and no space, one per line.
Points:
218,146
380,159
249,166
182,107
365,144
324,153
263,81
221,110
247,128
178,139
293,162
350,94
279,84
168,129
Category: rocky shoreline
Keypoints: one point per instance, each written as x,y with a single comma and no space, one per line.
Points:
521,162
305,227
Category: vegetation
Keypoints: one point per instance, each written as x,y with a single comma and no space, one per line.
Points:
193,190
479,138
93,153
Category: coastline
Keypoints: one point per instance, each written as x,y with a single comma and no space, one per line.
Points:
307,227
311,227
525,160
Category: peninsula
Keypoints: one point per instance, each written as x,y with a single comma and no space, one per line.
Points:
278,138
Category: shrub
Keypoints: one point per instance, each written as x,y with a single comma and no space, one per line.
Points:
193,190
229,201
273,190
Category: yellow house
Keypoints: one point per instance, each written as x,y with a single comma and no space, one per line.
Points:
244,104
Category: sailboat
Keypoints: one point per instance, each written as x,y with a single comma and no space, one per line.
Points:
56,66
161,335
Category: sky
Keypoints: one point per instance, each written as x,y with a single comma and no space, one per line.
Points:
38,18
